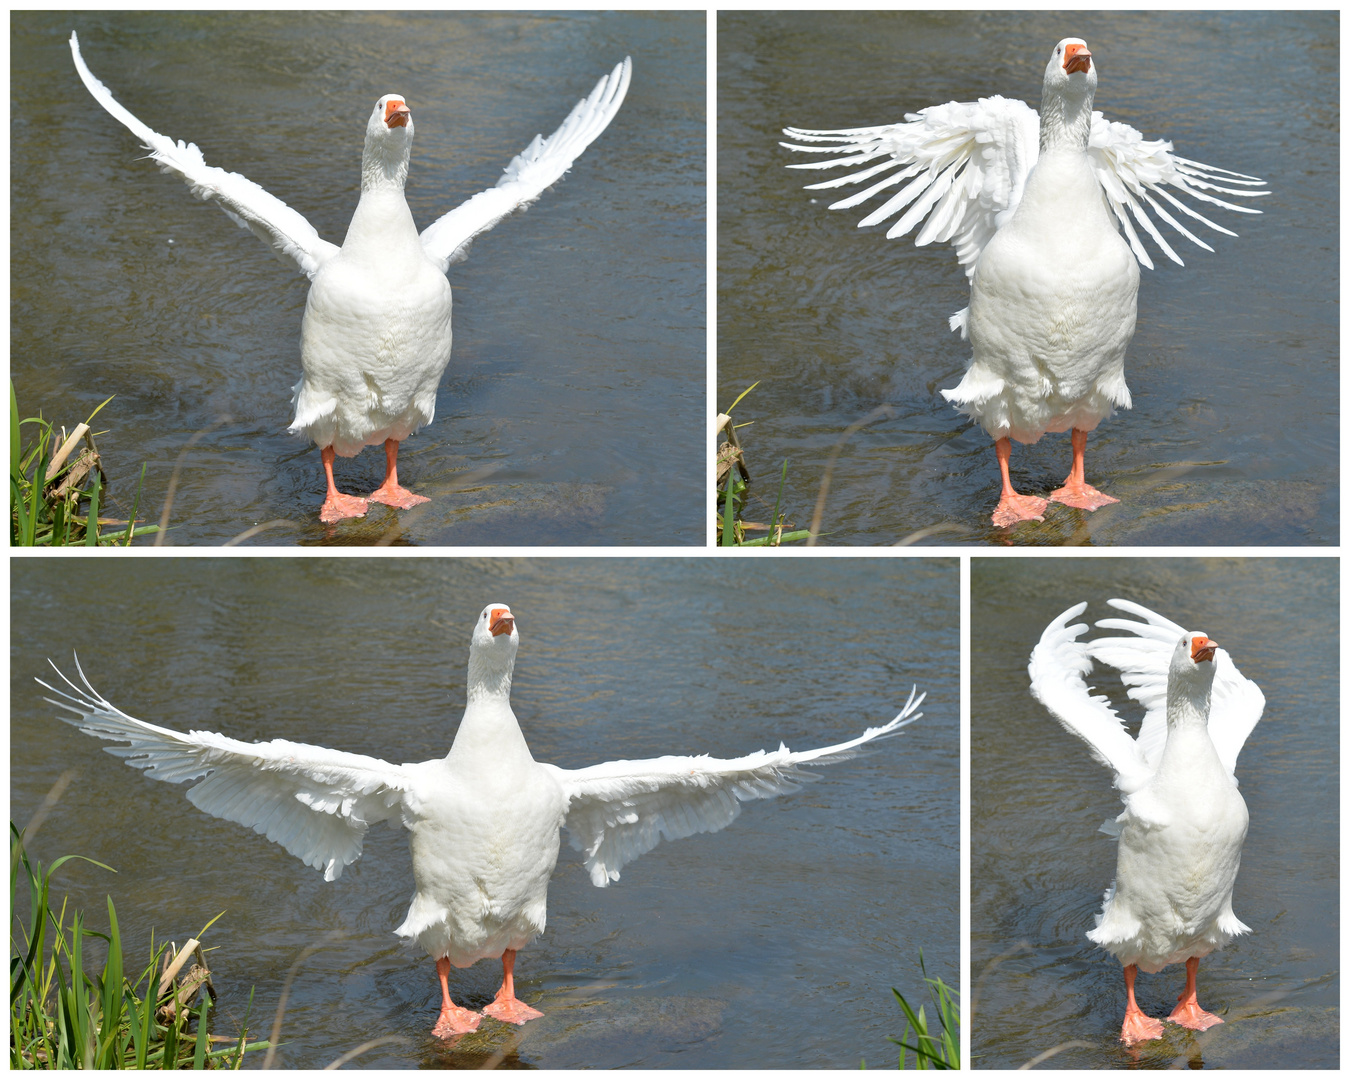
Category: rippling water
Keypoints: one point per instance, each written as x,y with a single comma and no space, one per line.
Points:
1038,865
1234,368
772,944
573,408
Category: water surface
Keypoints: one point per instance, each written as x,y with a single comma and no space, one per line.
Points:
1038,866
573,407
1234,435
772,944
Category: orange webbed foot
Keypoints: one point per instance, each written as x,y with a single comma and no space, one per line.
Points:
455,1020
396,496
511,1010
1014,508
1083,496
1189,1015
1139,1028
338,507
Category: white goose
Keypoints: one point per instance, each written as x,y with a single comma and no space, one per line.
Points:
1181,832
375,338
1028,203
484,819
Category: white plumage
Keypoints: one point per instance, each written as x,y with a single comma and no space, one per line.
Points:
1181,832
484,821
376,333
1034,205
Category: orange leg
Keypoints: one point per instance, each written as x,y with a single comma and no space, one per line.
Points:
390,493
454,1020
1188,1012
507,1006
1076,490
1013,507
338,506
1137,1026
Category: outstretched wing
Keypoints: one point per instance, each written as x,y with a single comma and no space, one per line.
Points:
1236,702
538,166
1058,665
315,802
284,230
1133,170
966,163
622,809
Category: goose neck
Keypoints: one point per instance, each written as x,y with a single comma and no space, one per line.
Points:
1066,122
384,166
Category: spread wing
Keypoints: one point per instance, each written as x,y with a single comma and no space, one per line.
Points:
284,230
966,163
1136,173
622,809
315,802
1059,663
534,169
1236,702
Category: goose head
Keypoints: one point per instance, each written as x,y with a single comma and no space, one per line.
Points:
1066,95
389,134
1190,676
492,652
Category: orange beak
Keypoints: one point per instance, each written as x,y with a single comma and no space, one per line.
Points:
501,621
1202,648
396,113
1077,58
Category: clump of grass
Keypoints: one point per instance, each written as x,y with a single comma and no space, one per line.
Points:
933,1047
55,494
63,1017
733,480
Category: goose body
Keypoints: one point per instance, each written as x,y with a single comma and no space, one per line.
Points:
484,821
375,339
1181,831
1035,206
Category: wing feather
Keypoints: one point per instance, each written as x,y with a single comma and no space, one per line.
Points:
1131,168
971,160
620,810
315,802
534,169
1059,664
1236,703
249,206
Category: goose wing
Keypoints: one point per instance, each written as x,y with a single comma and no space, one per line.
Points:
537,167
315,802
283,229
1059,664
966,163
1236,702
622,809
1138,175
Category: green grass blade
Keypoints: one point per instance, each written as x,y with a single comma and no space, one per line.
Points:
199,1056
743,393
91,525
729,512
111,1011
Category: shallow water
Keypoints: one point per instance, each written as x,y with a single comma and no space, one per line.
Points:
573,408
1233,437
1038,865
772,944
